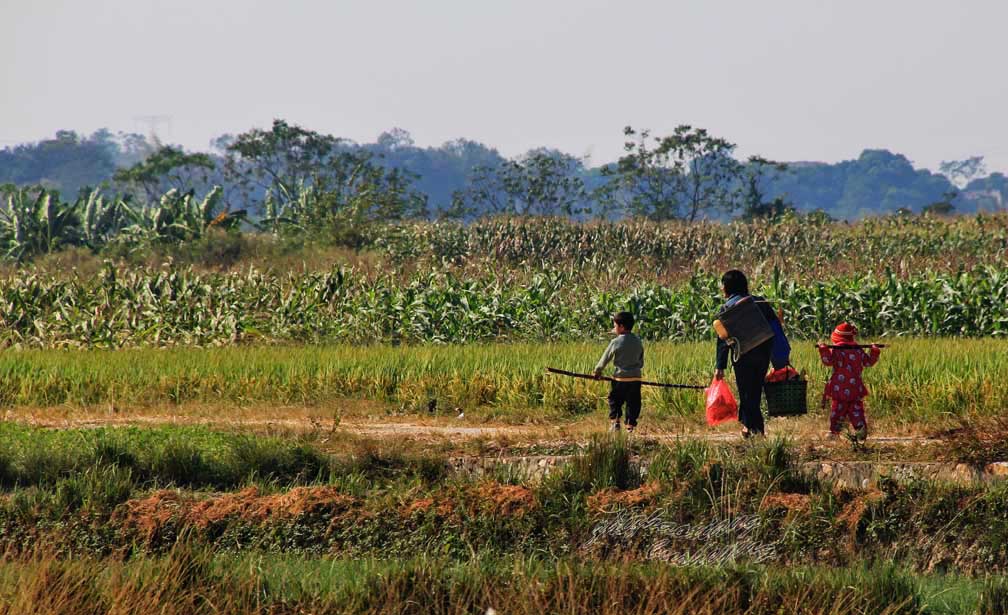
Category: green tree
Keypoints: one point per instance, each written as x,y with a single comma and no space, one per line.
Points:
279,160
314,181
682,175
166,169
351,194
540,183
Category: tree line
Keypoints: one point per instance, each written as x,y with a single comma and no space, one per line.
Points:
289,177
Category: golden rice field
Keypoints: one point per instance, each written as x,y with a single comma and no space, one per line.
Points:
917,381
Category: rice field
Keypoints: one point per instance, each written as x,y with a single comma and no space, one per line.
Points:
918,381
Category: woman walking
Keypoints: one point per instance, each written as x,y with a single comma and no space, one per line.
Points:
751,366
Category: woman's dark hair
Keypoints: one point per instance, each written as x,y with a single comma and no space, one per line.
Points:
735,282
624,318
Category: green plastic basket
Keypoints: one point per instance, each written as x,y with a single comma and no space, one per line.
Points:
787,397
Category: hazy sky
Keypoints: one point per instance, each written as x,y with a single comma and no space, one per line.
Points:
793,80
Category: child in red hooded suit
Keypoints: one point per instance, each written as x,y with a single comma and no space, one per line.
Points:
845,386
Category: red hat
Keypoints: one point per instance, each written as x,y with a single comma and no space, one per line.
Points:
843,334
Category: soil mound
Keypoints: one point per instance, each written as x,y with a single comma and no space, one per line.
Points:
146,517
609,498
506,500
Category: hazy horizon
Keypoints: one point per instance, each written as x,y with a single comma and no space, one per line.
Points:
790,80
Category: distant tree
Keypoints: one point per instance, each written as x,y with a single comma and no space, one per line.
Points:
880,181
990,193
774,210
280,159
470,154
678,176
397,138
939,208
340,204
756,174
942,207
440,172
167,168
68,162
876,182
961,172
310,179
132,148
220,144
540,183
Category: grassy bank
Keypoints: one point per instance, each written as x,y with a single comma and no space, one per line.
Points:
917,381
130,492
192,581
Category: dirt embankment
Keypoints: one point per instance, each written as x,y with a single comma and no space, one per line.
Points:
146,518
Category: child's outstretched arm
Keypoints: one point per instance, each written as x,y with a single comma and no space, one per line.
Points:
871,357
826,354
606,357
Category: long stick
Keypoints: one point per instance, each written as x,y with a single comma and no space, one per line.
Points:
563,372
864,346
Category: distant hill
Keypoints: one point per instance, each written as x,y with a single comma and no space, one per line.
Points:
877,182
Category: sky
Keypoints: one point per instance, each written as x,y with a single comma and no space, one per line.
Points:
790,80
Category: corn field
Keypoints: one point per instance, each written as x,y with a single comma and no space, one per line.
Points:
901,243
161,307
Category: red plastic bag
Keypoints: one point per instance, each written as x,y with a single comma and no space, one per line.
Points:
782,374
721,405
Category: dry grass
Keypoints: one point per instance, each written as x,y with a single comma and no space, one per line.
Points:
977,440
188,581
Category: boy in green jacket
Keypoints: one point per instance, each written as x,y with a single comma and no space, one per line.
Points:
626,351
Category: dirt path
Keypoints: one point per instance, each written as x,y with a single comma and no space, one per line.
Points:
437,429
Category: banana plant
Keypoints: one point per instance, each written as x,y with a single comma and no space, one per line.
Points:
36,221
179,218
102,220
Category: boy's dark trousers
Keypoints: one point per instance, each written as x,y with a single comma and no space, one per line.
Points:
620,392
750,374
